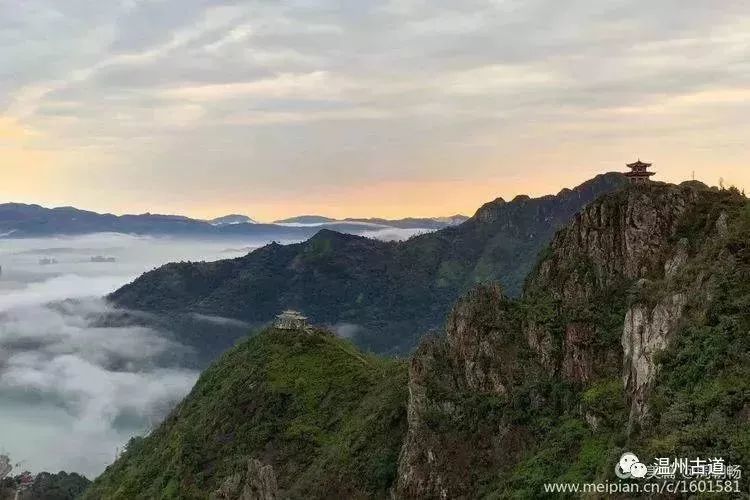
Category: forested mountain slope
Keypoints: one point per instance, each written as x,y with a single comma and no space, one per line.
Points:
385,294
297,411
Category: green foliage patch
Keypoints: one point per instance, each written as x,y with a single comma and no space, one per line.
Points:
329,419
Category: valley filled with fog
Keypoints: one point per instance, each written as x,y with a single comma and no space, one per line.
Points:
73,391
75,388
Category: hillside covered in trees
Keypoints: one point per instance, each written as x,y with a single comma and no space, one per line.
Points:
384,295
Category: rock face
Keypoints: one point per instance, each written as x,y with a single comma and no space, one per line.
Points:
623,239
258,482
422,465
446,447
480,321
578,352
624,236
604,301
678,260
647,332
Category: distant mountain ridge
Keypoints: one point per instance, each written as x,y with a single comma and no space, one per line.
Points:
305,219
232,219
405,223
387,293
18,220
416,222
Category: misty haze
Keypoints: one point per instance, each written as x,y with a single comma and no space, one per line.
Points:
74,392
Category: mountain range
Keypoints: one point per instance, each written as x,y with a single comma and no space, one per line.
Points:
231,219
407,223
384,295
631,334
19,220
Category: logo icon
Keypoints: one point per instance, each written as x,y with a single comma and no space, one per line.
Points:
630,467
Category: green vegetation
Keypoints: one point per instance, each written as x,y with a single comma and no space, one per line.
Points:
573,431
699,405
46,486
393,291
496,409
60,486
329,419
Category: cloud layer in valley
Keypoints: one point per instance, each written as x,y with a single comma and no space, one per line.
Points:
75,384
74,388
362,108
72,392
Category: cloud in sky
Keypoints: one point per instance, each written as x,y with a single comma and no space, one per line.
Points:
209,107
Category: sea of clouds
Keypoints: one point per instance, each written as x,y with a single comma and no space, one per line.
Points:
73,388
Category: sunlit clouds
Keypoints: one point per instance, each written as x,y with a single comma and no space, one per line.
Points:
275,108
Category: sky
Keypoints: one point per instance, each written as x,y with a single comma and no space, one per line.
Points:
362,108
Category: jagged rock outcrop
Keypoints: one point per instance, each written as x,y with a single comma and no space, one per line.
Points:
646,333
622,239
675,263
578,352
447,447
540,341
625,236
257,482
480,321
585,275
606,299
423,463
722,225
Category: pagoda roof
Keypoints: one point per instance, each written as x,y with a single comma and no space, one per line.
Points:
638,163
290,313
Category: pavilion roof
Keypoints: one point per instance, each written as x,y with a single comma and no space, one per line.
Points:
638,163
290,313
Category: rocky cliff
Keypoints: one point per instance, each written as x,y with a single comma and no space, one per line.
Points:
603,349
257,482
458,432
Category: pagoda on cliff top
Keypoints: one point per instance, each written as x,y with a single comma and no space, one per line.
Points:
639,173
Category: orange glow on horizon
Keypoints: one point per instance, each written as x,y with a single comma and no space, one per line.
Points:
44,177
432,198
